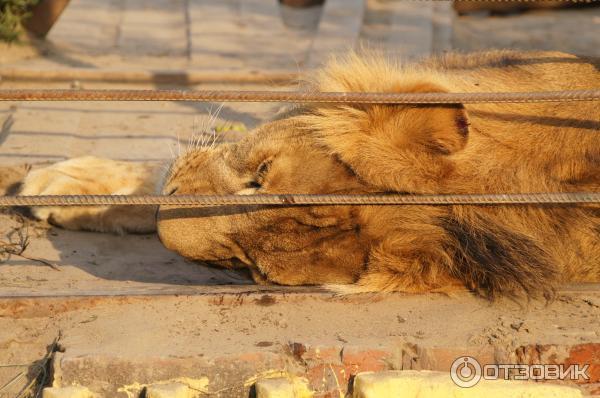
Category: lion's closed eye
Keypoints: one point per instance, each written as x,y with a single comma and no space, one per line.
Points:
254,184
258,178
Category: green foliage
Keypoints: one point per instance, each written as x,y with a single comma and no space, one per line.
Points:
12,13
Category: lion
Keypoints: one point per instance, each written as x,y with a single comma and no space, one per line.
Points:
491,250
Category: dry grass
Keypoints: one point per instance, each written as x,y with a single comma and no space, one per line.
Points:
17,243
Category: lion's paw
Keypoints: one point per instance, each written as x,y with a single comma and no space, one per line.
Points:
92,176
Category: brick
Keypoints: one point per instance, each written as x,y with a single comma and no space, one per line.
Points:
586,354
579,354
282,387
361,360
418,384
67,392
328,377
316,353
441,359
171,390
330,368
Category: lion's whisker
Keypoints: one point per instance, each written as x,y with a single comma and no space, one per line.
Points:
178,145
171,150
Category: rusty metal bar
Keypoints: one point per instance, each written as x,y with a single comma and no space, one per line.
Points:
299,199
294,96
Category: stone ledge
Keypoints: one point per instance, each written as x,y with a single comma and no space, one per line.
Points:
420,384
170,390
328,370
67,392
283,387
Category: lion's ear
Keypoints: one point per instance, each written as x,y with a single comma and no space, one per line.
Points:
396,147
439,129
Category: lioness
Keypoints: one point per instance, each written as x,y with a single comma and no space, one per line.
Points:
342,148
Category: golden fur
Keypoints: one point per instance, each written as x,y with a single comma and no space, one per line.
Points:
478,148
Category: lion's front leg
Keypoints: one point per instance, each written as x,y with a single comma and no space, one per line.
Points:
95,176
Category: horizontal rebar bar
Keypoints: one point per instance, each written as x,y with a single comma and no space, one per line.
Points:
297,96
300,199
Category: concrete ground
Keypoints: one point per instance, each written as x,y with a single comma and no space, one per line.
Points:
229,339
130,313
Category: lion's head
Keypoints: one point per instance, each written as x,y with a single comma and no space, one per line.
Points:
280,157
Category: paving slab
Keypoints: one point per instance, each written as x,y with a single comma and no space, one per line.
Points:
568,30
246,34
338,30
154,28
88,27
400,29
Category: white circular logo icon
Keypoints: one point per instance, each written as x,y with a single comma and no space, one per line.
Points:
465,372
